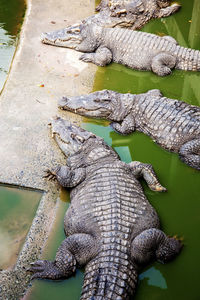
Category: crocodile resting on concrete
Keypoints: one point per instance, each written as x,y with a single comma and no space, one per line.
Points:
173,124
110,226
135,49
133,14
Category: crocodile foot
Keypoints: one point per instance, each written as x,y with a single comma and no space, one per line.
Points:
45,269
85,57
50,175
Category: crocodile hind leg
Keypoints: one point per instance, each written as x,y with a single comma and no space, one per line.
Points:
147,172
189,153
102,57
154,244
162,64
75,250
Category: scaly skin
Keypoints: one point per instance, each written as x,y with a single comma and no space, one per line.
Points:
110,226
173,124
137,50
133,14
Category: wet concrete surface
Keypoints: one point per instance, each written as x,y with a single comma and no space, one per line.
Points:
40,74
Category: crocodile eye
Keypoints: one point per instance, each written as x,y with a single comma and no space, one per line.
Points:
77,138
101,100
80,138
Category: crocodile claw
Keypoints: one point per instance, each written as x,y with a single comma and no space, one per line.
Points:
44,269
157,188
85,57
50,175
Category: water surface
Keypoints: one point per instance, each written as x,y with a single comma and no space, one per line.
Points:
11,17
18,208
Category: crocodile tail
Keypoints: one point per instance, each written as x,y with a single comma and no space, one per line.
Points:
188,59
106,279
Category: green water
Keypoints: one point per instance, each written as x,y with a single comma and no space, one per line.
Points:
179,208
11,17
18,208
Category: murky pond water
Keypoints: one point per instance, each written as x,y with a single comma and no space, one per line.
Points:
179,208
11,17
18,208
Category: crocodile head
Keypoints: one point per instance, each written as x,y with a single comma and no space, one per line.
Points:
102,104
68,37
80,146
69,137
81,37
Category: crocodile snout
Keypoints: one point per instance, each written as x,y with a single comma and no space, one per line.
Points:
63,102
46,38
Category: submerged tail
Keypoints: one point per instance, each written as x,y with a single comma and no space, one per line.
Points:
109,277
187,59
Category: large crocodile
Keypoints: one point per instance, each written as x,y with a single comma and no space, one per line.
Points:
110,226
137,50
173,124
133,14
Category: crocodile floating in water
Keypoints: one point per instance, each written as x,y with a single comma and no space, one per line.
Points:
173,124
135,49
110,226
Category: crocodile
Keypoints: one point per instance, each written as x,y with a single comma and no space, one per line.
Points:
132,14
135,49
111,227
173,124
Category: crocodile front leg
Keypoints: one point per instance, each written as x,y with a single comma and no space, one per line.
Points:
102,57
76,250
154,244
65,176
127,125
147,172
189,153
162,64
168,11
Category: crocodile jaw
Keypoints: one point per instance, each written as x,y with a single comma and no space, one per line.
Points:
85,106
68,37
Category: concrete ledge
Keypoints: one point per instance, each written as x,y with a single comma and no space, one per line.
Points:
40,74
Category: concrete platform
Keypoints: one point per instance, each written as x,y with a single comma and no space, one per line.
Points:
39,75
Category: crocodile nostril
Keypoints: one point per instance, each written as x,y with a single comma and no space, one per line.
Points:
62,102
